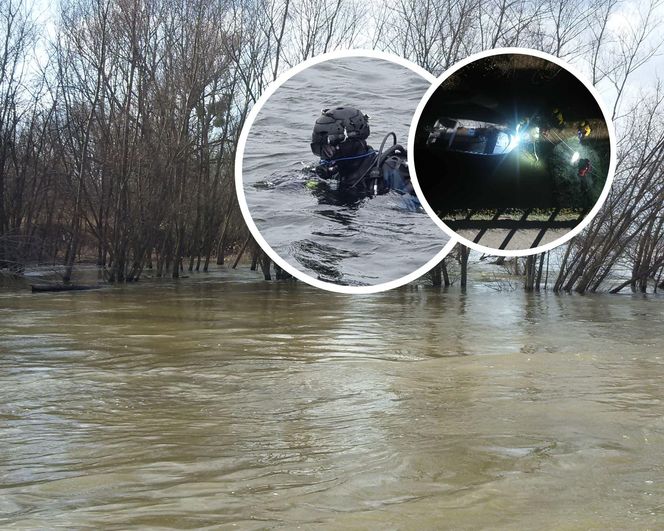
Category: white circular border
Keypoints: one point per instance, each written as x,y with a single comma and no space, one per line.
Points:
239,156
518,252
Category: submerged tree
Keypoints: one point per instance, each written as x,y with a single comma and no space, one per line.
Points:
118,130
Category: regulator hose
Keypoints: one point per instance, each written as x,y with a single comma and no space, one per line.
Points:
380,156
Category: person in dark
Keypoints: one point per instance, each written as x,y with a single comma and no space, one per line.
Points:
558,120
350,165
584,167
583,131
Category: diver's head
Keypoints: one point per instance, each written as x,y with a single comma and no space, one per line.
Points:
340,132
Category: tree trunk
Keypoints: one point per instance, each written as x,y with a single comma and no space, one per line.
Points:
463,254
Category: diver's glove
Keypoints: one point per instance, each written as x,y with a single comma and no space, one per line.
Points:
327,171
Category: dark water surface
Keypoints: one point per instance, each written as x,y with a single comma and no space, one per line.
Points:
262,405
370,243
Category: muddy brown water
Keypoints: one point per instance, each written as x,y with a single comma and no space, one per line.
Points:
227,402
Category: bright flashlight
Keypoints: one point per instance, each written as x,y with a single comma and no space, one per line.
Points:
514,142
575,157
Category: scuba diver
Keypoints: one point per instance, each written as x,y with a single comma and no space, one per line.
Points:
584,167
557,119
528,132
583,131
349,166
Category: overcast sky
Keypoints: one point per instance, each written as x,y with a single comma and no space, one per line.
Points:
627,15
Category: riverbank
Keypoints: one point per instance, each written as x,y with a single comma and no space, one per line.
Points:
484,273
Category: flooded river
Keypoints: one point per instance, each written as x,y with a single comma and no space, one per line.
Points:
258,405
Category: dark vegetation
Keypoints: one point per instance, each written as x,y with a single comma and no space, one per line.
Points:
119,121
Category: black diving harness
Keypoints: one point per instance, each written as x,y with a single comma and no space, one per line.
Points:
374,169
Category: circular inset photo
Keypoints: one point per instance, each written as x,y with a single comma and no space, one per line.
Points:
323,179
512,152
